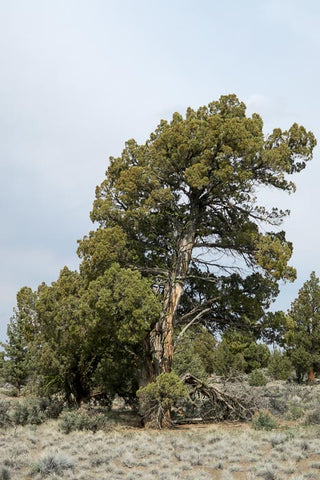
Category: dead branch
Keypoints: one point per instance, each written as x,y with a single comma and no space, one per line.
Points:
210,404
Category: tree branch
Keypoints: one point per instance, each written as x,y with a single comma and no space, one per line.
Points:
183,331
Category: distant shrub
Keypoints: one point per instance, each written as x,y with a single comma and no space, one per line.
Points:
20,413
295,412
263,420
28,412
52,464
4,474
278,439
313,417
257,379
51,407
35,411
81,420
5,420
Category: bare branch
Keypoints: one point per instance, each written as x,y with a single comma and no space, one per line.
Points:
194,320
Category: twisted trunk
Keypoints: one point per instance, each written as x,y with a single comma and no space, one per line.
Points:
161,337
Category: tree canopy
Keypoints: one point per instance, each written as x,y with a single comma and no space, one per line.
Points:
186,205
181,241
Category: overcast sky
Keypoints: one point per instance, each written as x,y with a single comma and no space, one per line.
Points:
79,78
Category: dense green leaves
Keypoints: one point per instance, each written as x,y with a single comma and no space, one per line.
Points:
303,339
124,304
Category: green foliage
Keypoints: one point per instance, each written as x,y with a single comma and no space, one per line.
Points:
257,379
279,366
82,420
226,362
34,411
204,345
295,412
100,250
187,361
263,420
16,368
5,420
256,356
239,353
303,339
124,297
159,396
2,366
194,353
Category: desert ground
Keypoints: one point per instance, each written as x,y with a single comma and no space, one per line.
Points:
120,450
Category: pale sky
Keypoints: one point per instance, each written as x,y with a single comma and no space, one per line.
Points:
79,78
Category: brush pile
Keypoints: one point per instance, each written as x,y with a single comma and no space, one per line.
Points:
209,403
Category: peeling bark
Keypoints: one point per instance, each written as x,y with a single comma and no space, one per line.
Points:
161,337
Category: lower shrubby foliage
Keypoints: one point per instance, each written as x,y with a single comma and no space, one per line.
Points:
29,411
4,414
257,379
158,397
263,420
4,474
83,420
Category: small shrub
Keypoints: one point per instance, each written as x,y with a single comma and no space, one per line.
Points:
313,417
4,474
73,420
257,379
35,415
51,407
267,473
81,420
5,420
52,463
263,420
295,412
20,414
28,412
278,439
157,398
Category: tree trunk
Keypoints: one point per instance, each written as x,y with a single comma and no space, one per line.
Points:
311,375
161,337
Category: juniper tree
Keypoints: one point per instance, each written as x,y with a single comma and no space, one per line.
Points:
17,367
303,338
182,209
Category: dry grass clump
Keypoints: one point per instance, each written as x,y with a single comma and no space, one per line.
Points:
52,463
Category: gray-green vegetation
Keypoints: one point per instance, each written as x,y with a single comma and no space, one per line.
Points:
246,451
